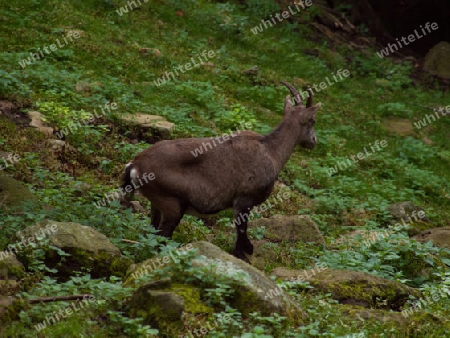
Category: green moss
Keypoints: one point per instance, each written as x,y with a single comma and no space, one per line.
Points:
359,291
120,265
192,302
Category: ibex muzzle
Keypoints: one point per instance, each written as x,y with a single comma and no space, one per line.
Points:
239,173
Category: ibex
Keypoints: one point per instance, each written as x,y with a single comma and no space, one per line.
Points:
239,173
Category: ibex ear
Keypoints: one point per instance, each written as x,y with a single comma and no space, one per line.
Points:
287,103
308,113
317,106
313,110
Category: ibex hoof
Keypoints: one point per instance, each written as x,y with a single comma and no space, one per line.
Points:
248,248
241,255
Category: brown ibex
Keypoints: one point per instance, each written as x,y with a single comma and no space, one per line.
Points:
238,173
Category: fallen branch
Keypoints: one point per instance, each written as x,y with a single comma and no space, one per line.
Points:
59,298
130,241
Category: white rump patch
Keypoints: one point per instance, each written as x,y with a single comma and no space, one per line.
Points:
134,174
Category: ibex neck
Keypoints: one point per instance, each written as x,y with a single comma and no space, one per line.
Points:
282,140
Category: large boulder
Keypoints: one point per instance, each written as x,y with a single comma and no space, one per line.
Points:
437,60
88,249
13,192
254,290
439,236
356,288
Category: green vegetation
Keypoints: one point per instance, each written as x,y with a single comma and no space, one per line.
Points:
109,63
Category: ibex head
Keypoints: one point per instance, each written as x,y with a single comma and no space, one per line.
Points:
306,116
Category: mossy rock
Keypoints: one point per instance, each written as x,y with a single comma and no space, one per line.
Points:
281,232
284,201
437,60
162,306
363,289
160,309
88,249
13,192
266,254
375,315
384,316
391,319
11,272
151,299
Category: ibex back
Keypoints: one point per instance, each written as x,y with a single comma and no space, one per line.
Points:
239,173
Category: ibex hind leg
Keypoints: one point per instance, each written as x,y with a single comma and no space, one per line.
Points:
171,214
155,217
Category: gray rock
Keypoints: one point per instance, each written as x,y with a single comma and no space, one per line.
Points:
290,229
164,127
406,211
56,145
439,236
253,71
83,87
38,123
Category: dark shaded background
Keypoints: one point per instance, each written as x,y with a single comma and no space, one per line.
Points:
402,17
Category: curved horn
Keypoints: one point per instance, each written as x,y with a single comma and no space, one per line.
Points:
294,92
310,97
